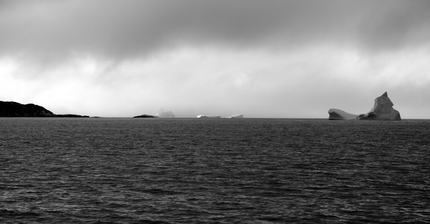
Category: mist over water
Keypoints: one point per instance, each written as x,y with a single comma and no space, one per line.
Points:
58,170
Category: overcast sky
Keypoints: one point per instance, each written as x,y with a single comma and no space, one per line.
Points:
266,58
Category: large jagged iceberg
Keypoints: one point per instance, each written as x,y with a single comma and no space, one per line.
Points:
382,110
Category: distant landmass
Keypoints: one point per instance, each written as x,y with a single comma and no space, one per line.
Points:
72,115
145,116
14,109
382,110
161,114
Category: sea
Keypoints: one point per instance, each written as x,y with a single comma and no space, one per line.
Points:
124,170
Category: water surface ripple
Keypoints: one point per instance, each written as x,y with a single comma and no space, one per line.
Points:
57,170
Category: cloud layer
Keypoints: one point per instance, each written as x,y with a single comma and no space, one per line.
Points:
127,29
265,58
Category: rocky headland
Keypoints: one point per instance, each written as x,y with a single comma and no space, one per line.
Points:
382,110
14,109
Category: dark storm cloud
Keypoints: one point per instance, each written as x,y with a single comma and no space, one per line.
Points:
49,30
395,24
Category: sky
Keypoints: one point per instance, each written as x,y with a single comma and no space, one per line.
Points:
265,59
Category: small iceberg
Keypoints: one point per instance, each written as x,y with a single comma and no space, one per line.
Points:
236,116
208,116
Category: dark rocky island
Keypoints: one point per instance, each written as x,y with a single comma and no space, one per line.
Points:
145,116
382,110
14,109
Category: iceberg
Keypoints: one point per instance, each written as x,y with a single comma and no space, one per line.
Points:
382,110
236,116
208,116
336,114
165,114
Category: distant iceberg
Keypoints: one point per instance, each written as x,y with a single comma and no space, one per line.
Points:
207,116
236,116
165,114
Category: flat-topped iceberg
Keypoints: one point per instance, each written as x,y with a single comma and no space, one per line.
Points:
382,110
336,114
236,116
208,116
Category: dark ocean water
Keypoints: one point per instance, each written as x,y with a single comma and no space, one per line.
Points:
58,170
